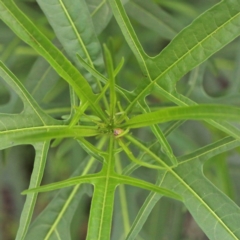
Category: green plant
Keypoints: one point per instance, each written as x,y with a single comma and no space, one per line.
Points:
103,112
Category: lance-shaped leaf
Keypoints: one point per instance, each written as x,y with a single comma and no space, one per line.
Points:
199,112
36,178
128,31
27,129
207,152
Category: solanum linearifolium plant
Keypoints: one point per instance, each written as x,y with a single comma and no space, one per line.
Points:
95,93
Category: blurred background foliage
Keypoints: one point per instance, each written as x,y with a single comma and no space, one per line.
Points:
156,22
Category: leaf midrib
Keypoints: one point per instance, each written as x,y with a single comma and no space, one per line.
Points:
219,220
76,33
97,8
107,169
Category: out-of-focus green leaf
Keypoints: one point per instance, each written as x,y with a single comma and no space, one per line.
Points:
101,14
72,24
153,17
37,82
179,6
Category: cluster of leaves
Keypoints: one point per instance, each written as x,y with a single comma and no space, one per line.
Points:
94,126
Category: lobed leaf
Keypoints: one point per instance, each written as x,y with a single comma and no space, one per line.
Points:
207,34
215,213
64,205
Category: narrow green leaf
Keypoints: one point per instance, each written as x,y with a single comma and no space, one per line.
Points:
144,213
121,200
36,134
211,150
90,178
110,70
74,102
134,159
181,100
36,178
127,95
145,185
91,149
113,180
100,220
23,128
78,113
119,67
14,126
128,31
160,137
184,8
92,70
146,150
200,112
